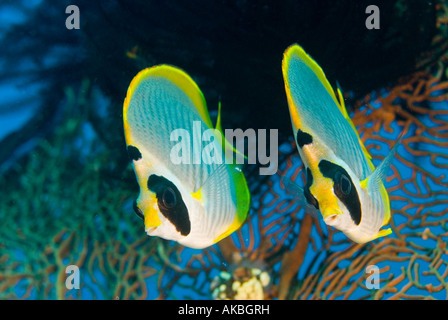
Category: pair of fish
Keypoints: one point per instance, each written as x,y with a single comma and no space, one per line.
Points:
197,205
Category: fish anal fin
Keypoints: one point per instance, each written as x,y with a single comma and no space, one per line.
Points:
383,233
234,226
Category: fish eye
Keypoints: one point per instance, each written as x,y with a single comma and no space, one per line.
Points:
169,198
345,184
137,210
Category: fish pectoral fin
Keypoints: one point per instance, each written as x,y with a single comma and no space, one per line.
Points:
383,233
197,195
292,188
213,177
375,180
298,193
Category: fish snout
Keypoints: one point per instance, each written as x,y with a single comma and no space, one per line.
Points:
150,230
331,216
148,212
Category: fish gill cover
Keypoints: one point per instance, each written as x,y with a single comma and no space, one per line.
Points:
67,186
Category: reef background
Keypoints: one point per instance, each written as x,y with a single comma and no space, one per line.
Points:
67,186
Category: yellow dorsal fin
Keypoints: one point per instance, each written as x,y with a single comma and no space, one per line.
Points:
218,119
341,104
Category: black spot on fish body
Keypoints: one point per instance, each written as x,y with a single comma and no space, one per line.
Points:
308,195
303,138
343,188
170,203
134,153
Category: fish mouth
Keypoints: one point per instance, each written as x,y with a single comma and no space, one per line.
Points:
331,220
150,230
331,216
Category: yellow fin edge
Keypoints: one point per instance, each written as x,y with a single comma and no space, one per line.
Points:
242,202
180,79
298,50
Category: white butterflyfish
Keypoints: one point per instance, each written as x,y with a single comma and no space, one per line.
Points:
341,181
195,203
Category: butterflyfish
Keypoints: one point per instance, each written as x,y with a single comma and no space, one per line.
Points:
341,181
196,203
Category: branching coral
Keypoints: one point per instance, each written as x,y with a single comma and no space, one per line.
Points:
58,208
59,211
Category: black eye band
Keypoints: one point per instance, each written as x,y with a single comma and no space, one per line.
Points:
343,188
170,203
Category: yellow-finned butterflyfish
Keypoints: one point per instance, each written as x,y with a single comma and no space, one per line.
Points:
341,181
196,203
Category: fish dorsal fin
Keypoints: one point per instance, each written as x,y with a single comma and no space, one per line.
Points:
180,79
218,119
375,180
296,49
227,146
344,112
341,104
